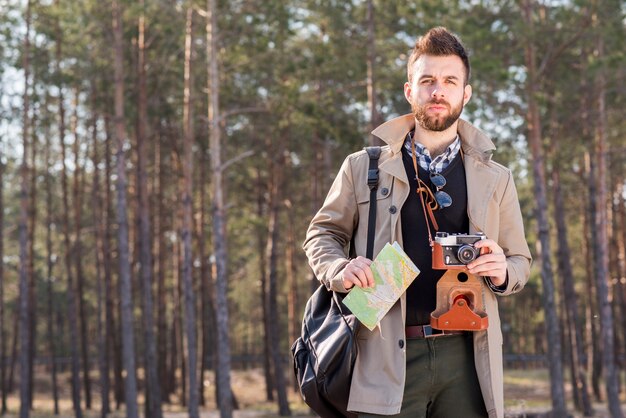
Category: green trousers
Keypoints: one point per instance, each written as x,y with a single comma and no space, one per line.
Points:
441,380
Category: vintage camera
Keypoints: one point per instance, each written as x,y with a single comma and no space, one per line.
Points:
455,251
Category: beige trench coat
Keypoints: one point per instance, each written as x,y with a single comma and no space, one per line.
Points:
493,208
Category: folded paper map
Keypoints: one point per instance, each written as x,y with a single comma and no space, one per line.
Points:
393,272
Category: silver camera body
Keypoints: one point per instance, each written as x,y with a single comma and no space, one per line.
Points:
455,250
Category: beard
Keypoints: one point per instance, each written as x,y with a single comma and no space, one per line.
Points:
436,122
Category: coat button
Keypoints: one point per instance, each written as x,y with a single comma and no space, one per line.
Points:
393,210
384,191
401,343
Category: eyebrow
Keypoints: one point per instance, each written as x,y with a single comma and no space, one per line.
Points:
448,77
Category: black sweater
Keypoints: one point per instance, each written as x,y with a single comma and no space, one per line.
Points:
421,294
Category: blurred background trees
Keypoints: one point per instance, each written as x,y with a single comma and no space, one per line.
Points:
160,162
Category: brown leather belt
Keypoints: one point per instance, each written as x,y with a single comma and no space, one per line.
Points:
426,331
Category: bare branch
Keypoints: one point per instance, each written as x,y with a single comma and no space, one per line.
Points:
551,57
225,114
232,161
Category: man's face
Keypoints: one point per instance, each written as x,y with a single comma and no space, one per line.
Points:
437,92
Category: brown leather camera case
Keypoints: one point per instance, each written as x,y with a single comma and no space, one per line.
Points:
460,305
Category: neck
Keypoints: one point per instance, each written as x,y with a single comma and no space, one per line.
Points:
435,142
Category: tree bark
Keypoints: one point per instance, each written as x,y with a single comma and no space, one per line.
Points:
620,231
271,253
225,400
71,290
595,360
267,342
32,277
293,300
125,289
3,336
153,387
110,333
371,73
578,375
98,220
78,255
24,320
535,141
49,280
175,351
206,288
190,303
161,254
602,249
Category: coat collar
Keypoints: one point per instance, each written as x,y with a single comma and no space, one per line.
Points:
474,141
481,177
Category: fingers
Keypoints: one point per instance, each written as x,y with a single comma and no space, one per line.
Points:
358,273
492,264
490,245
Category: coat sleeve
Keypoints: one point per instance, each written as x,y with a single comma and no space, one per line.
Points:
328,237
512,239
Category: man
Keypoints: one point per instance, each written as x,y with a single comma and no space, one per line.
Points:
400,369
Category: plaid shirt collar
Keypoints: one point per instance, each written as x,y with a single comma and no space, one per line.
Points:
439,163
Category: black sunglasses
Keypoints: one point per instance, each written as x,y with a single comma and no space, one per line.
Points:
443,199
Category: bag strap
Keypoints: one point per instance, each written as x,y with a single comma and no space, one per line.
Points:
372,183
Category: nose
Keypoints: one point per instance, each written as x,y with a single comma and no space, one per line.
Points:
437,92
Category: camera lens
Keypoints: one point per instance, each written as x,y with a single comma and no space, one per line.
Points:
467,253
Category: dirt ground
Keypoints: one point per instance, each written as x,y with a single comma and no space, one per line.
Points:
527,394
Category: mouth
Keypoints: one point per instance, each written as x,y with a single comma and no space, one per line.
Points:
437,108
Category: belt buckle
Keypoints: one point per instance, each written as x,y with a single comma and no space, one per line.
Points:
430,332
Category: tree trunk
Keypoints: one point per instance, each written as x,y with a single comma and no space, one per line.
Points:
206,289
180,326
190,303
24,319
535,141
16,332
72,312
225,400
578,375
602,250
110,333
595,360
620,213
621,258
32,277
262,242
125,289
98,221
49,280
293,301
153,387
161,255
78,256
3,335
371,77
271,253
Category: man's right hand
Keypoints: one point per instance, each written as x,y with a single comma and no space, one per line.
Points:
358,273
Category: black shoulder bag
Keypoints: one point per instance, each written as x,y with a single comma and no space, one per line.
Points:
324,355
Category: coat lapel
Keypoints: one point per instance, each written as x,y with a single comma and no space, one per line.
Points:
481,185
395,167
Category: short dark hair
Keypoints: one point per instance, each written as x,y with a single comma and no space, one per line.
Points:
438,41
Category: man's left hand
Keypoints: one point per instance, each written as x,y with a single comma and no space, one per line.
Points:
492,263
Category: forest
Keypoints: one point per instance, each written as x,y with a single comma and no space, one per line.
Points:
160,161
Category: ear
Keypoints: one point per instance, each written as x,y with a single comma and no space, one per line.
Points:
467,94
407,91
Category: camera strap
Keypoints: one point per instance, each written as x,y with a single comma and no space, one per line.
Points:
422,188
372,183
